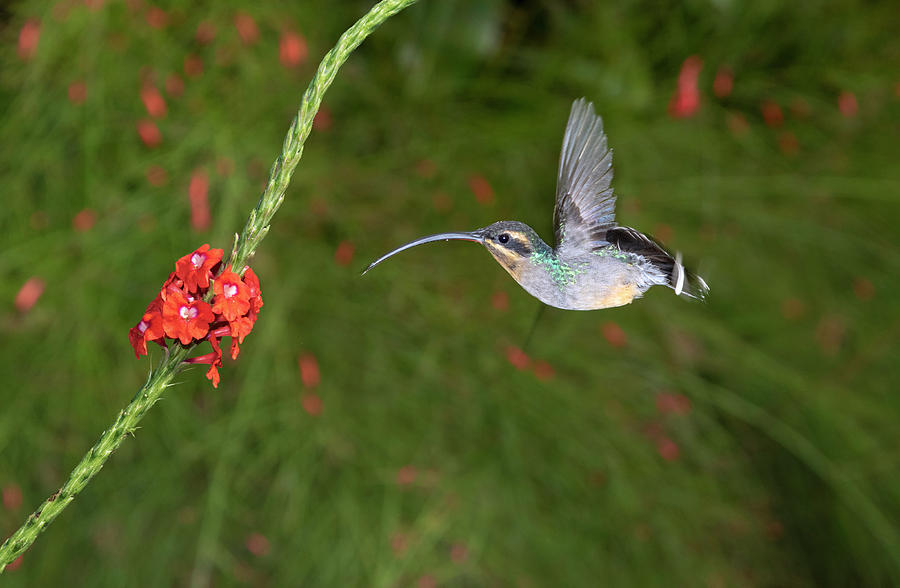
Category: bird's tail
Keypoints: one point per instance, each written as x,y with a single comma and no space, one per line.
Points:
684,281
679,278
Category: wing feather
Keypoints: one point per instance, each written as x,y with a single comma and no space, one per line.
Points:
585,202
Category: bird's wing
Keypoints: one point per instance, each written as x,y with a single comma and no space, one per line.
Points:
585,203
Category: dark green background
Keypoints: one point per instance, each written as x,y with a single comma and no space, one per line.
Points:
787,465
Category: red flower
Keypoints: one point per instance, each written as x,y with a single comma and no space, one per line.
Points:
686,100
614,334
149,133
292,50
309,370
772,114
174,85
12,496
344,254
150,327
157,176
197,192
193,66
178,312
723,83
185,318
153,101
136,338
241,327
232,296
214,360
517,357
156,17
246,28
213,372
847,104
206,32
84,220
29,36
322,119
481,188
255,293
77,92
196,268
30,292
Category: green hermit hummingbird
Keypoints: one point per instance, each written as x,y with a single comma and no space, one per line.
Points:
595,262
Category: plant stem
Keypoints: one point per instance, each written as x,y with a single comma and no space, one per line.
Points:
254,231
93,460
292,149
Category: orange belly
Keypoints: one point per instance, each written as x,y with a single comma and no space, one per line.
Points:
618,295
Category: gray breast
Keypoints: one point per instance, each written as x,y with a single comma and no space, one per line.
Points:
589,281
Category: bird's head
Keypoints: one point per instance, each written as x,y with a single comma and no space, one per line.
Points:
510,242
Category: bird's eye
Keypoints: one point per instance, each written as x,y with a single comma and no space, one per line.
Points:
503,238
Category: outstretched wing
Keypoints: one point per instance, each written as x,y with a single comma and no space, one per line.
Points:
585,203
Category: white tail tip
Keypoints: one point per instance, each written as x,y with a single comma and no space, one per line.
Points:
679,272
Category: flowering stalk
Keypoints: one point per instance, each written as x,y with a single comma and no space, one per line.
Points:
254,231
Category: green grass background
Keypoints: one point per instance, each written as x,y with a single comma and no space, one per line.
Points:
788,472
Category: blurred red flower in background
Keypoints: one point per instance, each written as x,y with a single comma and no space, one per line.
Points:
309,370
77,92
847,104
193,66
29,294
481,188
614,334
292,49
772,114
149,133
157,17
518,358
12,497
174,85
723,82
668,403
153,101
668,449
543,370
198,191
686,100
206,32
343,256
312,404
257,544
500,300
322,119
157,176
29,35
246,28
84,220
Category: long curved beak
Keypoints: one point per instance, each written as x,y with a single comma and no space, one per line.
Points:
475,236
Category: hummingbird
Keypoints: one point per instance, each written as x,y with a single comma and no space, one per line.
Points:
595,263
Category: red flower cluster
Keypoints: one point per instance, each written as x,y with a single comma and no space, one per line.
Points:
180,313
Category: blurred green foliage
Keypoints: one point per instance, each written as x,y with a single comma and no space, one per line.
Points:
748,441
